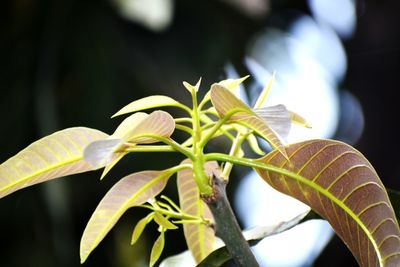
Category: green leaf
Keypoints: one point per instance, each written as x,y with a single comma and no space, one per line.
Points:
253,143
338,183
164,222
139,228
130,191
225,101
53,156
200,238
157,249
153,101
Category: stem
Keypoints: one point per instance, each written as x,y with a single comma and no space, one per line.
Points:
227,227
150,148
237,142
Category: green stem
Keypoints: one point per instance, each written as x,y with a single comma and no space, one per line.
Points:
150,148
227,227
237,142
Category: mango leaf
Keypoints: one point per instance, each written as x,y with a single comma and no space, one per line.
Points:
157,249
338,183
225,101
139,228
164,222
200,238
53,156
130,132
153,101
130,191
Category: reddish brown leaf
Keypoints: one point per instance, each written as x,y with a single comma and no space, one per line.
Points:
337,182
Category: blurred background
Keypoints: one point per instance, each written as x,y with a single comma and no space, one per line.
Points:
75,63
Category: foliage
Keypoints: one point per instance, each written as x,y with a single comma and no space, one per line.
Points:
334,179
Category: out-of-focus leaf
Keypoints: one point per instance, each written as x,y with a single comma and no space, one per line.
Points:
157,249
265,92
296,118
139,228
130,132
164,222
220,255
225,101
337,182
130,191
153,101
53,156
199,237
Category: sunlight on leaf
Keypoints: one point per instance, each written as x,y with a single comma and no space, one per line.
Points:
338,183
130,191
153,101
199,237
53,156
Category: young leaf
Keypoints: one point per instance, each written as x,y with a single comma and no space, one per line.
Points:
339,184
153,101
225,101
139,228
132,130
200,238
130,191
157,249
53,156
164,222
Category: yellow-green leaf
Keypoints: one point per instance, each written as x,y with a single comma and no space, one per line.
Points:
53,156
130,191
164,222
200,238
157,249
139,228
338,183
153,101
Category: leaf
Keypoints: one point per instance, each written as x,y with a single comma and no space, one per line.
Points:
199,237
224,101
130,132
192,89
338,183
153,101
278,118
130,191
139,228
253,143
53,156
164,222
296,118
157,249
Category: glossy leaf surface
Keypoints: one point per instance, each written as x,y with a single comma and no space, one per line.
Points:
338,183
130,191
153,101
200,238
225,101
53,156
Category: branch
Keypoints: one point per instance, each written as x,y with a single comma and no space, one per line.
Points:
227,226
